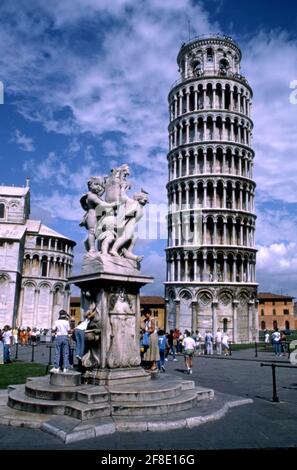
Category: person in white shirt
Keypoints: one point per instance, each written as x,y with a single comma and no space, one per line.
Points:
189,349
266,339
7,338
219,342
276,336
62,329
79,332
225,343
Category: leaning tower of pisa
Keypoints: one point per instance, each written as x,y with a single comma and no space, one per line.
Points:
211,251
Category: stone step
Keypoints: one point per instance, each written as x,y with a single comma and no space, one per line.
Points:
93,394
187,399
145,392
41,388
19,401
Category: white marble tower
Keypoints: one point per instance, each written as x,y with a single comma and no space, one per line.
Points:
211,253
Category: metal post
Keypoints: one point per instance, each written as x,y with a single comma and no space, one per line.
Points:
288,348
32,357
274,397
256,349
16,350
230,349
50,355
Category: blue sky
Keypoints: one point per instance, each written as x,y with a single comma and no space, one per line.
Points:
86,85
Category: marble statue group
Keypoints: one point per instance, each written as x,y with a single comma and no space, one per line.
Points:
111,215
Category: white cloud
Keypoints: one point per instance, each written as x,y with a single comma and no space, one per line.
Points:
24,142
120,86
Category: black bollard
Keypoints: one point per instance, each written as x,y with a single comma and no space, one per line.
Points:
274,397
230,349
256,349
16,350
50,354
32,357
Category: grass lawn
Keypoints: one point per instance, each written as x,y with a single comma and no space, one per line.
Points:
17,372
238,347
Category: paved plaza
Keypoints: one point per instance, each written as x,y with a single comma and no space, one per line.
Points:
263,424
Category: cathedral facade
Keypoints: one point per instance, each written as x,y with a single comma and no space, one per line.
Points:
211,253
35,263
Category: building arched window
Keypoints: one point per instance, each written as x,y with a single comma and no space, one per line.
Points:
209,55
44,266
263,325
225,325
287,325
224,64
2,210
275,325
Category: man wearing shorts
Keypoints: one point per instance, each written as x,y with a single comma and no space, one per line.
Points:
189,349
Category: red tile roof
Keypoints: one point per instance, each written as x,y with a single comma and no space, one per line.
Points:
152,300
269,296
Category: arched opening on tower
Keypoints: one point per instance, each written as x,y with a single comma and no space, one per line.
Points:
210,267
225,325
209,55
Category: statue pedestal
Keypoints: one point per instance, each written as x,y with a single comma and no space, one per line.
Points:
112,337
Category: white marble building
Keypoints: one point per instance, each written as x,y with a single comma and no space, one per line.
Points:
35,262
211,254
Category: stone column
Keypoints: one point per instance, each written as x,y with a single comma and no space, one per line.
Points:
223,98
194,315
177,313
234,269
215,232
180,104
204,161
195,265
225,269
235,304
204,129
187,101
196,98
224,195
204,274
172,274
214,317
180,160
186,266
204,230
187,132
224,232
174,167
250,320
215,194
178,268
205,195
215,269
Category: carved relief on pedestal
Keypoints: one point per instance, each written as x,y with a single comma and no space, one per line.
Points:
123,350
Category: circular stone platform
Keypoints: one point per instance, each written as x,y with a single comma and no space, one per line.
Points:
78,412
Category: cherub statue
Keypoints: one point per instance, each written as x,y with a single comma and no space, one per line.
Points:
90,202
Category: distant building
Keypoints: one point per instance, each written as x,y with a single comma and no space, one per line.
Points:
156,306
35,262
75,311
153,304
275,311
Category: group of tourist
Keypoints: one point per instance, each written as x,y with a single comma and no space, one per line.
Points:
278,340
156,345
